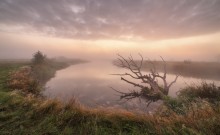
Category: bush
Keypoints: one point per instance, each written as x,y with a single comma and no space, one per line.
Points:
209,92
38,58
194,98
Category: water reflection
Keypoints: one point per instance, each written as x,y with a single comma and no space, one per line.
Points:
90,83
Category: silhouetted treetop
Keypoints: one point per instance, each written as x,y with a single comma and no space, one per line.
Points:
38,58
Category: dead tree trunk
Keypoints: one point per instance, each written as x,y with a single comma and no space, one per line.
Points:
150,90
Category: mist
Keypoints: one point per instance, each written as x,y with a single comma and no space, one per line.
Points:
200,48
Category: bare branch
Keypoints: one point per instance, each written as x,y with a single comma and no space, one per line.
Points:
154,68
126,74
135,84
142,59
174,81
149,103
151,92
165,67
117,91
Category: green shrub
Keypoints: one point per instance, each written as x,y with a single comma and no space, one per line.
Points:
209,92
175,104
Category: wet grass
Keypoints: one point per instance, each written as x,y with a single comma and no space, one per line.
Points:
27,114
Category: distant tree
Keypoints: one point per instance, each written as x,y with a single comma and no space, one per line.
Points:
41,67
38,58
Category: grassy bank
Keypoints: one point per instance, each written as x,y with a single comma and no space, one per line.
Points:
27,114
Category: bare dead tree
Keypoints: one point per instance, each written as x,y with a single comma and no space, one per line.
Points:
150,90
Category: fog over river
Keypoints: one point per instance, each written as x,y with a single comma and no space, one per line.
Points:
90,83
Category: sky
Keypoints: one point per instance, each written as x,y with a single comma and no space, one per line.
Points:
99,29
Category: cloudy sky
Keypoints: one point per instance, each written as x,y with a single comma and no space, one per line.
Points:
174,29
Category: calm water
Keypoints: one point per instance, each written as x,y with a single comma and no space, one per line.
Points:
90,83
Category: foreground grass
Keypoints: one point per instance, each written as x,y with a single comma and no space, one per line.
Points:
28,114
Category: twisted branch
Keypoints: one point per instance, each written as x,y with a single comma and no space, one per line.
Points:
151,91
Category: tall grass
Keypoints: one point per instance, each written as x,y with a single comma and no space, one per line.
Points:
205,91
30,115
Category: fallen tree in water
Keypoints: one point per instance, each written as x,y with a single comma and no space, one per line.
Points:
150,90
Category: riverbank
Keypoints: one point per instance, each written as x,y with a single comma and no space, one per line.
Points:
28,114
31,78
203,70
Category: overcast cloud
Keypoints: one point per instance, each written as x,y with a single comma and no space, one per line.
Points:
111,19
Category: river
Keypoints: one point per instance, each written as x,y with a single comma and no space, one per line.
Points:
90,83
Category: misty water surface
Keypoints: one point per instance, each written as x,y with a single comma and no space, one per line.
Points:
90,83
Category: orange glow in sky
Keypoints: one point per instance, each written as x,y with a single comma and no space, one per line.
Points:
205,47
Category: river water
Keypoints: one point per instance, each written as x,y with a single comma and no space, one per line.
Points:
90,83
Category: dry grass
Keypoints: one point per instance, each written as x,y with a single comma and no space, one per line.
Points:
56,117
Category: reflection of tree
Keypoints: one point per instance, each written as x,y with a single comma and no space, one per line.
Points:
150,90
